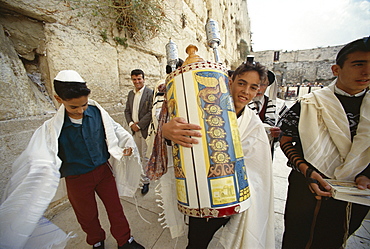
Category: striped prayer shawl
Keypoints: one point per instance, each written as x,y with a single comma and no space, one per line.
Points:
328,145
273,111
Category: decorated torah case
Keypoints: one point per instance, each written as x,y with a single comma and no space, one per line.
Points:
211,177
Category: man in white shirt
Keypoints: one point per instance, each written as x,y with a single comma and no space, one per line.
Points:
138,116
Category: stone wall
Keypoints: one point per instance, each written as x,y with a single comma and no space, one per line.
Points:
309,65
40,38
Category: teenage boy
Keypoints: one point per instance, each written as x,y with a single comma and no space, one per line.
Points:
254,228
326,135
76,144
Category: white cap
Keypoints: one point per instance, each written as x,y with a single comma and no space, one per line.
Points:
69,76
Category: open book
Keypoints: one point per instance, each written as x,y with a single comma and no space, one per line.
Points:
348,191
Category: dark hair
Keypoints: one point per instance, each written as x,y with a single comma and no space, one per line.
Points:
251,66
70,90
230,72
271,77
362,45
138,72
178,64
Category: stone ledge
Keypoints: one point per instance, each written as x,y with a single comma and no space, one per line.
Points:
13,126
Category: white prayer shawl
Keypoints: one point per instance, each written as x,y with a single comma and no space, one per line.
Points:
327,145
254,228
36,176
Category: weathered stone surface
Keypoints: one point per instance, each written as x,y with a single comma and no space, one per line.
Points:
39,10
42,37
27,34
19,97
308,65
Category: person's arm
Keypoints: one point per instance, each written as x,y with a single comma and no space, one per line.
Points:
180,132
128,113
289,126
313,177
147,118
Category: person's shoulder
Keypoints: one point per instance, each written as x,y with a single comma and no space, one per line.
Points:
93,108
147,89
93,111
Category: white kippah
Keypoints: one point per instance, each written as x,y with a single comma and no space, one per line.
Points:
69,76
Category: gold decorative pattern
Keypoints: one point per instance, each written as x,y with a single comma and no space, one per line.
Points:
213,109
202,212
215,121
221,169
216,132
218,145
220,157
244,194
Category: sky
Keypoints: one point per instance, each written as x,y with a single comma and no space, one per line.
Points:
304,24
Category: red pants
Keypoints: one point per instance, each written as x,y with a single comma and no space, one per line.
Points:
81,193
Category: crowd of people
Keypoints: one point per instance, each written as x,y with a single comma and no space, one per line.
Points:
324,135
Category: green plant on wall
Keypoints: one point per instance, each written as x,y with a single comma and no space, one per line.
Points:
139,20
104,35
121,41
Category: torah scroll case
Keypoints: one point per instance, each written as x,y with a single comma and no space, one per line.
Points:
211,177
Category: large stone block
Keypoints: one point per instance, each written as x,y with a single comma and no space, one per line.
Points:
19,97
96,61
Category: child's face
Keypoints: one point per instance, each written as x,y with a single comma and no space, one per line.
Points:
244,88
74,107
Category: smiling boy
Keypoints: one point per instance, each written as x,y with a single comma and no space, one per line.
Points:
253,228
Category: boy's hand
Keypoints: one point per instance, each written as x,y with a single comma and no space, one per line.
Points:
127,151
323,188
275,131
317,185
180,132
363,182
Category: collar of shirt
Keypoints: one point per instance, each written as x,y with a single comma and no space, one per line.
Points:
67,120
341,92
140,91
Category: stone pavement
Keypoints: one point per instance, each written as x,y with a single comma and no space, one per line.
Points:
151,235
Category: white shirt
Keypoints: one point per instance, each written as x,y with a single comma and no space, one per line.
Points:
135,107
341,92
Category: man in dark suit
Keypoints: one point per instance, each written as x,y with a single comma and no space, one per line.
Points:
138,115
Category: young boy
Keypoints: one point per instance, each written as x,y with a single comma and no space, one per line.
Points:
254,228
76,144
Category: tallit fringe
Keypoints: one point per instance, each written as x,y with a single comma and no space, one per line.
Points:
162,219
138,211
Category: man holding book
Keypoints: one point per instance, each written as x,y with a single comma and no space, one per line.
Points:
326,135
